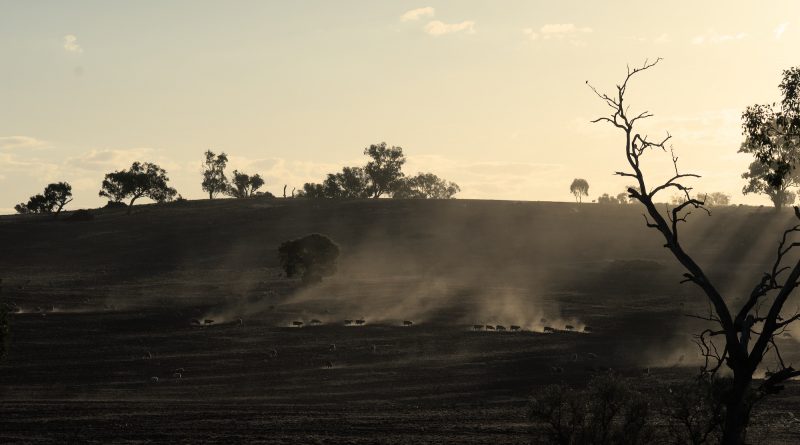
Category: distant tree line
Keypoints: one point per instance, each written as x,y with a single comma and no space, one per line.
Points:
215,181
381,176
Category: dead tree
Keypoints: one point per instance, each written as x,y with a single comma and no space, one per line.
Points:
739,339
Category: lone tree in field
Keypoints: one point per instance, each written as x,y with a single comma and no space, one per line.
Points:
772,136
385,169
745,334
425,186
243,185
140,180
312,257
757,175
579,188
214,180
53,200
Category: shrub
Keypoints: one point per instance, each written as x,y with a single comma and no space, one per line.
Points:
607,412
312,257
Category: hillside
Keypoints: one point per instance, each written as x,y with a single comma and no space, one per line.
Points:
119,294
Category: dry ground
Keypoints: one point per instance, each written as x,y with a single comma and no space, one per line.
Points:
120,294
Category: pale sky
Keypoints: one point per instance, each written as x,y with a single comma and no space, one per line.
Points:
489,94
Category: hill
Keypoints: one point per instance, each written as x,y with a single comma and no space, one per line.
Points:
108,304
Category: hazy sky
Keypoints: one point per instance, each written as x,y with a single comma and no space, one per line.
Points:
490,94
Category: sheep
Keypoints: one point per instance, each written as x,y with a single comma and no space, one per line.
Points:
548,329
154,379
477,327
500,328
569,327
328,364
348,322
178,371
489,327
272,353
360,322
315,322
177,375
332,347
297,323
148,355
408,323
515,328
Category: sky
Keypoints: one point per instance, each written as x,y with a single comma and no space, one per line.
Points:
489,94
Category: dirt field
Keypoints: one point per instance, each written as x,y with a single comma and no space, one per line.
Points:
109,304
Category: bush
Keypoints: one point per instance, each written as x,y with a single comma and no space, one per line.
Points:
312,257
607,412
115,205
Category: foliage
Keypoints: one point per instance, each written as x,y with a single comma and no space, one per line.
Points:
243,185
772,136
716,199
312,257
425,186
605,198
694,410
311,190
214,180
579,188
53,200
757,175
608,411
385,168
140,180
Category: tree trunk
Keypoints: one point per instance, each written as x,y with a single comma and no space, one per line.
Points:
737,411
130,206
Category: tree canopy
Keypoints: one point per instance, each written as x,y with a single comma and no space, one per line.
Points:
772,136
243,185
384,169
579,188
425,186
312,257
381,176
52,200
214,180
140,180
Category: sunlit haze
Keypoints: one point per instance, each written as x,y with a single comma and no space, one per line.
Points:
491,95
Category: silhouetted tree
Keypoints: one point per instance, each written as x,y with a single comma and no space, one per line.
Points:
312,257
605,198
311,190
53,200
772,136
748,334
214,180
579,188
757,176
243,185
140,180
350,183
425,186
385,168
716,199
